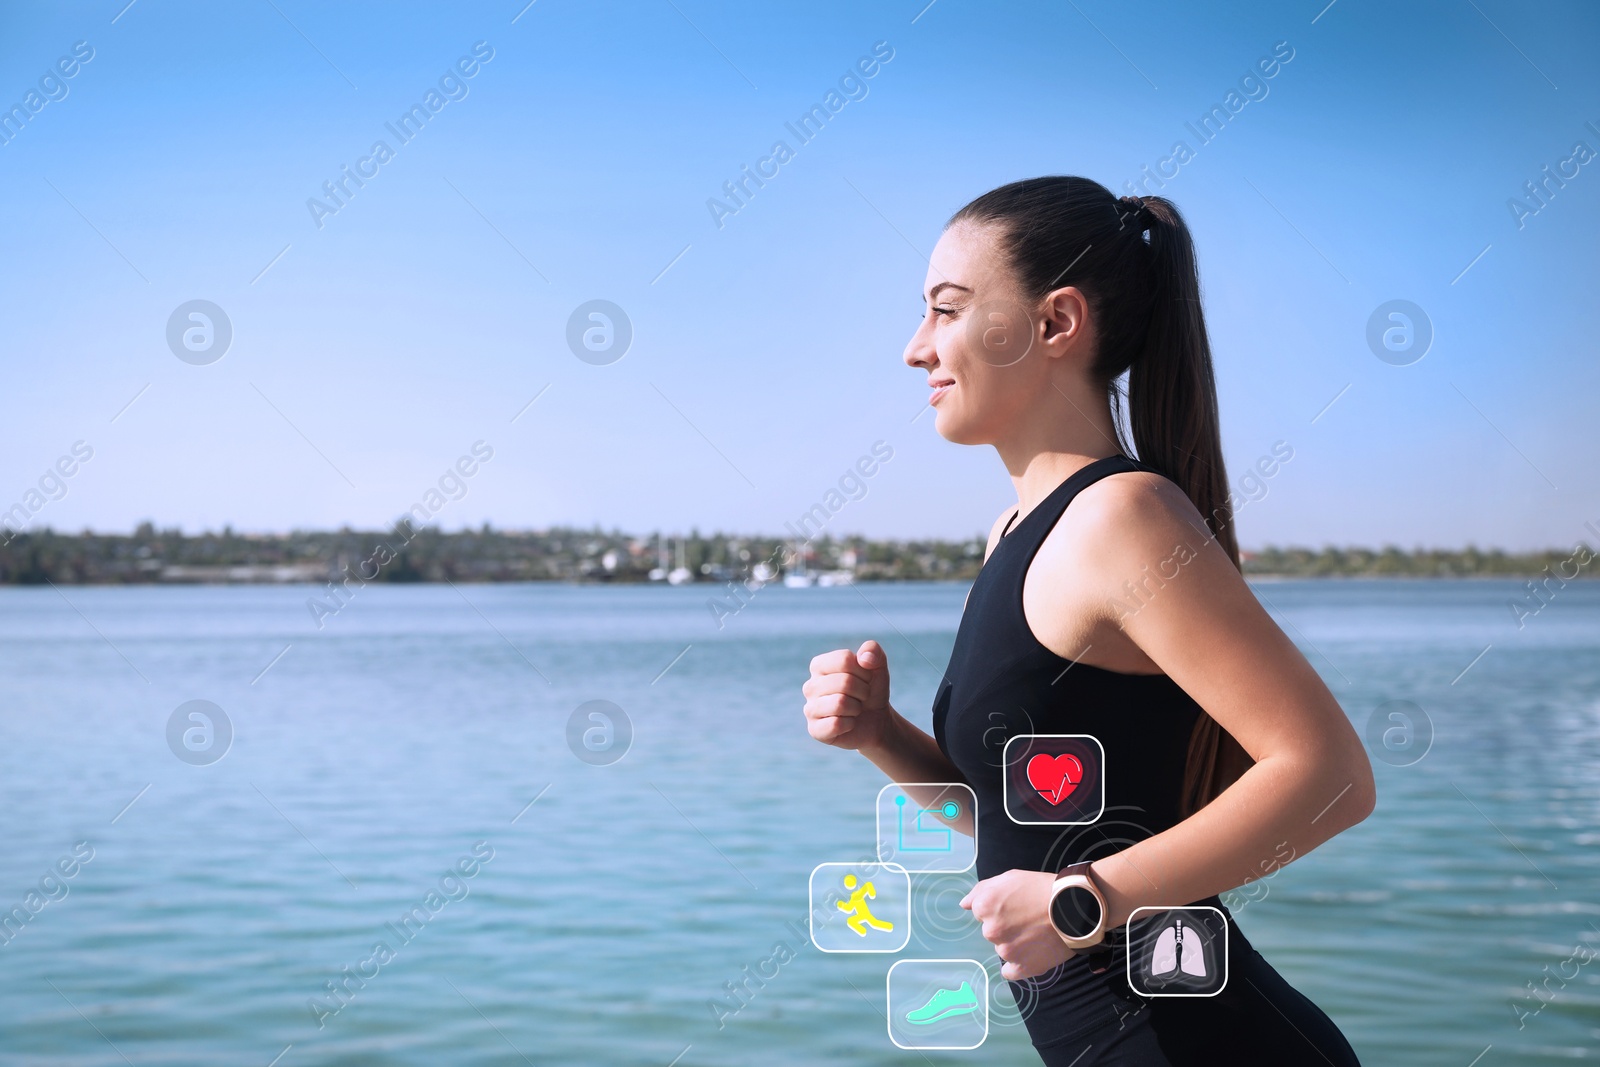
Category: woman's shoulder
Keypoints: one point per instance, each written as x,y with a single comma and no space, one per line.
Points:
1121,519
1143,493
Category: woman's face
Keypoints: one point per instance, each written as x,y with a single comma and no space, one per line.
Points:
975,339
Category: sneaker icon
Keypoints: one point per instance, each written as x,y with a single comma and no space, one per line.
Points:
945,1004
937,1004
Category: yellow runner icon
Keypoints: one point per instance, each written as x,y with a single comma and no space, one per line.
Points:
861,916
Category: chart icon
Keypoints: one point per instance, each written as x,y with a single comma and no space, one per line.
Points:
928,826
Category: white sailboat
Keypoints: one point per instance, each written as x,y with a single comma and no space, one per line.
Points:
658,573
799,577
679,574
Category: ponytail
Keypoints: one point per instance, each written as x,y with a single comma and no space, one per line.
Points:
1146,299
1172,408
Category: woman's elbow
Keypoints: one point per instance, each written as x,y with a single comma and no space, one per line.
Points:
1361,799
1341,791
1367,801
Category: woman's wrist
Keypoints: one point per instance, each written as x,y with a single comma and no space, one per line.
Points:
890,738
1109,875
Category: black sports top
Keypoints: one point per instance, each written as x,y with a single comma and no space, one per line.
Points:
1002,682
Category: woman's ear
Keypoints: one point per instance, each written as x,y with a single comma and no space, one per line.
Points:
1065,312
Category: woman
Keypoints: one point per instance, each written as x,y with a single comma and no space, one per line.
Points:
1124,616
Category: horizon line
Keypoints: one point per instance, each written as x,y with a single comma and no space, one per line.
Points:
7,536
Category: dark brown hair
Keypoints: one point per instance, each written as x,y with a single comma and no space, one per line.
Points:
1144,294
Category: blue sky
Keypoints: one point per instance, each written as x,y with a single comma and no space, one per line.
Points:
368,354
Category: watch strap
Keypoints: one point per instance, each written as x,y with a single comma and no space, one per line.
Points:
1109,950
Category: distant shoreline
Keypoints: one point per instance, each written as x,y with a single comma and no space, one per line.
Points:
714,589
406,555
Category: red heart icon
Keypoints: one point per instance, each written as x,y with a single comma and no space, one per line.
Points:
1055,777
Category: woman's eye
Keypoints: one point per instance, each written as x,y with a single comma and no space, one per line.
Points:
945,310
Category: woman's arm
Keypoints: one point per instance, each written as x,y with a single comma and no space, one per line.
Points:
847,706
1192,613
1207,631
908,753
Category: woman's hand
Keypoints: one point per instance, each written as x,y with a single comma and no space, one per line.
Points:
1014,908
847,697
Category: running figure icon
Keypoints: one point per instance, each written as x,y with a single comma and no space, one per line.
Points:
860,916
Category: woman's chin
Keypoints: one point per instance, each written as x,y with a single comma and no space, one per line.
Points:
956,430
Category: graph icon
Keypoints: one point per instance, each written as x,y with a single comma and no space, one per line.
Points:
928,826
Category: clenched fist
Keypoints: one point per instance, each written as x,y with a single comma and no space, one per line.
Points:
1014,910
847,697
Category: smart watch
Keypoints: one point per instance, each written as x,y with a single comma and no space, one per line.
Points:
1078,908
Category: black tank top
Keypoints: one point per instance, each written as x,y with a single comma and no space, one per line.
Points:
1002,682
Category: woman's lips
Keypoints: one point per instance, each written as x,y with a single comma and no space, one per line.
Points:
939,391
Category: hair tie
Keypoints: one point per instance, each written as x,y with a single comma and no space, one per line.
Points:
1133,207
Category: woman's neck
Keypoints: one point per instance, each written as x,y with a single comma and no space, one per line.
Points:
1047,450
1046,471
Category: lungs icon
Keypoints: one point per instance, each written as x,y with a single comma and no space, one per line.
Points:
1181,955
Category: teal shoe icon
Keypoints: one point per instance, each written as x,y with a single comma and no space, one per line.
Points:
944,1004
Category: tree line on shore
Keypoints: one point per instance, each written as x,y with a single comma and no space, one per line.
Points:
149,556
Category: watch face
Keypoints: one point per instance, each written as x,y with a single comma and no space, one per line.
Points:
1075,911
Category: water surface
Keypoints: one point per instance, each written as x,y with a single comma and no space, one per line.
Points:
376,753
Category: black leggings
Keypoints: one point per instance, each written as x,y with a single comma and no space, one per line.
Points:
1080,1020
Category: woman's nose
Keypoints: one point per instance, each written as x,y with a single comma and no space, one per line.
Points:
919,350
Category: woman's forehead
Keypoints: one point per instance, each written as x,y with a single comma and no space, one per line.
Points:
966,255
